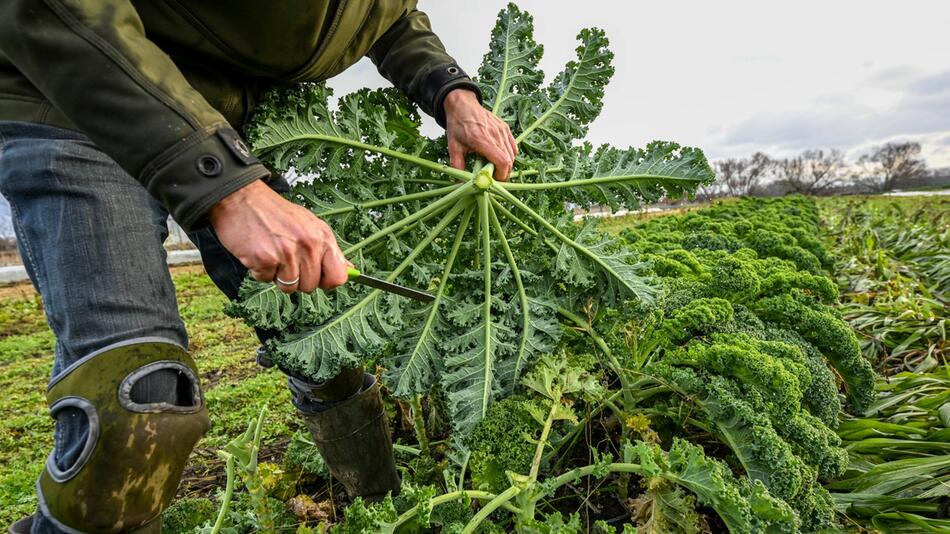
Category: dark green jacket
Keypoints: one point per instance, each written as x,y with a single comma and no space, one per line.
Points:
162,85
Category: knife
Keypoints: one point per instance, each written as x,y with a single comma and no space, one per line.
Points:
360,278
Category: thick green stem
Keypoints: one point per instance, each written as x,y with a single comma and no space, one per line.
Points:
418,420
486,309
534,172
554,107
391,200
527,508
616,409
492,505
571,438
415,181
226,499
581,323
617,368
501,94
446,220
517,220
444,499
420,162
438,205
443,283
406,449
522,298
586,182
588,470
545,432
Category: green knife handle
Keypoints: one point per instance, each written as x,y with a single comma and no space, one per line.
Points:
352,272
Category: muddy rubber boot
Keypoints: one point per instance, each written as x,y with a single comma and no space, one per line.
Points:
22,526
349,425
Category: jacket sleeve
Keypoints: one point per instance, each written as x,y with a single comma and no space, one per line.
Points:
92,60
413,58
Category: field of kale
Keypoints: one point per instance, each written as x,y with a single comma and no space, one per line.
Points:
757,365
714,406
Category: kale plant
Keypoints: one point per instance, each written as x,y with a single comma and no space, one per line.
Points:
500,257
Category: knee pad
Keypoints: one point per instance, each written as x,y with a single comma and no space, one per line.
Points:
145,411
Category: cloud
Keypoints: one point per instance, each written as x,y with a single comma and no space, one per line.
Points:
931,85
919,109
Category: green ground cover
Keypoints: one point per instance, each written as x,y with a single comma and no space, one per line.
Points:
899,469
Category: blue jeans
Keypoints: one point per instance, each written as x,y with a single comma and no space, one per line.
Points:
91,237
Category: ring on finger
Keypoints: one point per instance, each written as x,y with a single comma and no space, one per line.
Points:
287,282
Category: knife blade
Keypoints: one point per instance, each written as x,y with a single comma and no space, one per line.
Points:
356,276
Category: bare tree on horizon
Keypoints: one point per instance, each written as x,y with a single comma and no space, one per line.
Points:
891,164
812,172
740,176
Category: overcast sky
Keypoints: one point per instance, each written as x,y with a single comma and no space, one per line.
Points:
734,77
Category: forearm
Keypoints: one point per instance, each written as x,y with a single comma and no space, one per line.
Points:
414,59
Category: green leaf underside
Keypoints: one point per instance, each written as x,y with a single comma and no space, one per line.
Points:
497,283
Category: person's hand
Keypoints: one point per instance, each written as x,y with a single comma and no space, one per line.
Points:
471,128
279,240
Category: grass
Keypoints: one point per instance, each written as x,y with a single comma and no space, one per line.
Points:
234,385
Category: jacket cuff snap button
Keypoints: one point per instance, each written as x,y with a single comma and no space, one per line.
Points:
209,165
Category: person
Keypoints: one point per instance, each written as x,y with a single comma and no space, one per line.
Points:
115,114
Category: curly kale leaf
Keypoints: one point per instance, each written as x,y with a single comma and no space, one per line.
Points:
830,335
742,507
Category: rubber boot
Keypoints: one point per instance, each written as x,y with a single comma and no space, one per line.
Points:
22,526
349,425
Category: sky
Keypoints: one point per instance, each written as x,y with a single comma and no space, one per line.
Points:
734,77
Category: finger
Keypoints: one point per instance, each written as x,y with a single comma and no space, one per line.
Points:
263,266
264,274
501,136
310,267
511,140
334,268
495,153
456,155
288,275
490,151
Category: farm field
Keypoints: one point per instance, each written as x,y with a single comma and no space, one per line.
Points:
743,399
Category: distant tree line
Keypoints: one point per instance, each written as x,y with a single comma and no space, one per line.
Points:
819,172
